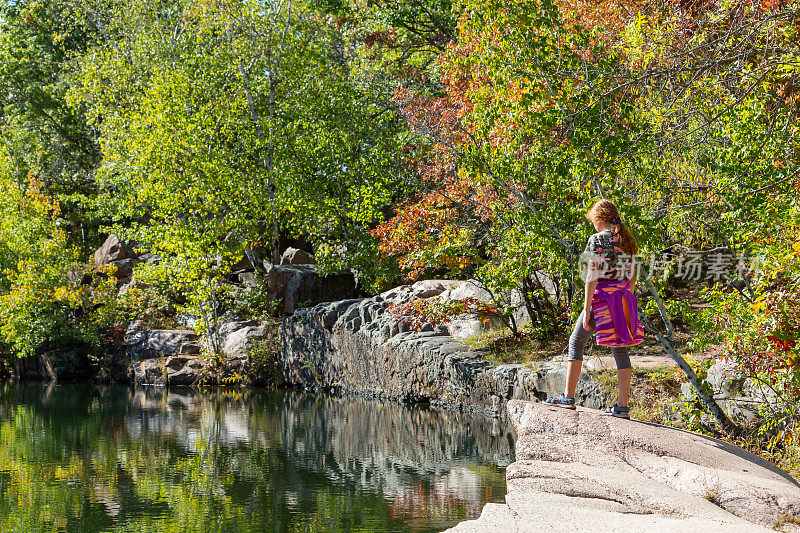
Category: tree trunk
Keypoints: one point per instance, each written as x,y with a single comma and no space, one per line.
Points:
527,299
713,407
269,157
661,309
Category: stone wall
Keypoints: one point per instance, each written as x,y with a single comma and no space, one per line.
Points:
357,346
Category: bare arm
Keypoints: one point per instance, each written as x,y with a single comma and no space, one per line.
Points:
632,279
592,275
588,295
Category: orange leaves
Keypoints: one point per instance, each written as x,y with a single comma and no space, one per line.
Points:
431,115
423,232
437,229
382,37
39,201
432,230
608,16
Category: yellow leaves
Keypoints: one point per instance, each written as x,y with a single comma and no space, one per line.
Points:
796,247
233,379
69,296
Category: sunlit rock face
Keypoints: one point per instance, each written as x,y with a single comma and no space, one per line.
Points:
295,256
359,346
600,473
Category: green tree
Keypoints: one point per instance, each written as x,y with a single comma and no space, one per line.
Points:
40,133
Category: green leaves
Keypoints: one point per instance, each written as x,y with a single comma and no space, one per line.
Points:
224,126
183,156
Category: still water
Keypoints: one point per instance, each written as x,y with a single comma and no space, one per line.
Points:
83,459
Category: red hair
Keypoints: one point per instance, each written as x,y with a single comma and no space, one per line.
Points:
607,211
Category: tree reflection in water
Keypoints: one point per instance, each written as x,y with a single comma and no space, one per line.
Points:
81,458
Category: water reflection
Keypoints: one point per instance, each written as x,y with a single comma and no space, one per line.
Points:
78,458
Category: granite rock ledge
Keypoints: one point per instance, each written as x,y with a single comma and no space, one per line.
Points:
358,346
580,470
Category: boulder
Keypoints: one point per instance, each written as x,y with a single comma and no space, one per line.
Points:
739,396
468,289
512,299
296,256
230,322
147,257
237,343
419,291
463,327
125,287
599,473
111,250
549,380
460,327
176,361
187,320
302,285
124,268
175,370
431,287
183,376
148,372
187,370
115,253
249,280
150,343
189,348
57,365
396,295
470,325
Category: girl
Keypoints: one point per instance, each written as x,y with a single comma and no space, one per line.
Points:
609,303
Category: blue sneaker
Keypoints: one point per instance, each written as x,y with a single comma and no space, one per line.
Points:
619,412
561,401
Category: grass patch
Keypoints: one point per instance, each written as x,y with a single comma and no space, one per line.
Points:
655,392
713,495
786,519
503,347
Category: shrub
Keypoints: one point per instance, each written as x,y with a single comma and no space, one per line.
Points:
439,311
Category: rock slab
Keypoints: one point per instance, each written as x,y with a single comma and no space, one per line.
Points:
174,357
295,256
57,365
298,285
150,343
585,471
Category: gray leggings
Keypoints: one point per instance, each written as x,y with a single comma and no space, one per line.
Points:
579,337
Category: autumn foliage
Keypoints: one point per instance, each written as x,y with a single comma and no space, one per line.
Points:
433,312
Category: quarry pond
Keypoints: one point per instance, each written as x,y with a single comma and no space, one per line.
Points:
92,458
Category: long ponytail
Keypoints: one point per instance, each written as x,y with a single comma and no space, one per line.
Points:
607,211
